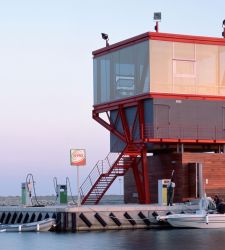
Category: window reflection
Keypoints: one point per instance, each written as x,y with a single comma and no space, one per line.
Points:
185,68
160,67
122,73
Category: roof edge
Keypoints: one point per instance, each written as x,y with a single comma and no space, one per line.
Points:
161,37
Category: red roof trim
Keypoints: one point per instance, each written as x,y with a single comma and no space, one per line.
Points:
161,37
122,44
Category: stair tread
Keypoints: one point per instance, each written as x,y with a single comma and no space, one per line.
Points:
118,168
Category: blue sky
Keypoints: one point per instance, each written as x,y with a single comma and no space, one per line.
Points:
46,77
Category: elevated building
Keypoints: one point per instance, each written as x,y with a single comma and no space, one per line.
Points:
162,97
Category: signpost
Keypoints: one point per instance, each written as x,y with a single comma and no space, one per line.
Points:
78,158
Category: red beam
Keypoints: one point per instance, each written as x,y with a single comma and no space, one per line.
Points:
145,176
124,124
109,127
160,37
133,101
174,140
138,182
141,119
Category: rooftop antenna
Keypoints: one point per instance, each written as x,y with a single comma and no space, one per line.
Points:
106,38
223,25
157,19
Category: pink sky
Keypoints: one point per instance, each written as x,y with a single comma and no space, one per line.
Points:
46,78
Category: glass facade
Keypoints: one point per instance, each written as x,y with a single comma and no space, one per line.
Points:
187,68
122,73
161,67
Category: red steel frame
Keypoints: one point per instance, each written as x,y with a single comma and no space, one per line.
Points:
140,173
141,177
126,135
138,102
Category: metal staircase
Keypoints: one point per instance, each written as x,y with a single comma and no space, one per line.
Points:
105,172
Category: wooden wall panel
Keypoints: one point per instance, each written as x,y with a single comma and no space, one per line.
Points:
161,166
213,171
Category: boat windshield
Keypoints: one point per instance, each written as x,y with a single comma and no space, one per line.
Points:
207,203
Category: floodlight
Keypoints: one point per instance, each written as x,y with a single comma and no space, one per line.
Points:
157,16
106,38
223,25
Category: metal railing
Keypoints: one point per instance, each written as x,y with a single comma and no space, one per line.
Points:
101,167
184,132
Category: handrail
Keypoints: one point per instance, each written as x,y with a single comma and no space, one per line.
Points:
184,132
101,167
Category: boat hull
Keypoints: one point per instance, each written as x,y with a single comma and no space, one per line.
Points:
39,226
197,220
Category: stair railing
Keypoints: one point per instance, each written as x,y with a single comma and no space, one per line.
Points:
101,167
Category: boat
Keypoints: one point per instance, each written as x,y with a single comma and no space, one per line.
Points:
202,218
38,226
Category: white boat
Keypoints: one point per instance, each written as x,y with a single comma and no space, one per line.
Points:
42,226
202,218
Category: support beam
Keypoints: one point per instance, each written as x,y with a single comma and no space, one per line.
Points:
141,119
145,176
138,182
125,124
108,126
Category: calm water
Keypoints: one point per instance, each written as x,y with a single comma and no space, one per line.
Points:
183,239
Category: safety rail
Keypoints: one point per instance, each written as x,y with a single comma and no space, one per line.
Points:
100,168
184,132
105,172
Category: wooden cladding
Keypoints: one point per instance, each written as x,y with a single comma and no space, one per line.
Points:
161,166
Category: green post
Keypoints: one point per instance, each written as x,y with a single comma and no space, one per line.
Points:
23,193
63,194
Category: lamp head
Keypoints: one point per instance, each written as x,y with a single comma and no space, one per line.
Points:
157,16
106,38
223,25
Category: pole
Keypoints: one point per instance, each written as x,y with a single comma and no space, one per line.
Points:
196,179
78,187
145,176
201,188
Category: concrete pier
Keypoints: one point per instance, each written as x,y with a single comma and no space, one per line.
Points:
88,218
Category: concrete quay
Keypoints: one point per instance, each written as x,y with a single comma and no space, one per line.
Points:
93,217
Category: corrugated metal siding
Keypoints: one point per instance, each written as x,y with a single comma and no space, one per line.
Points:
192,119
182,119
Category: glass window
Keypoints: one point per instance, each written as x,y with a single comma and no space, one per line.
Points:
160,67
186,68
184,51
161,54
122,73
222,65
207,67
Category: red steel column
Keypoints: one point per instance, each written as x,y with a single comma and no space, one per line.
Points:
145,176
141,119
124,123
139,184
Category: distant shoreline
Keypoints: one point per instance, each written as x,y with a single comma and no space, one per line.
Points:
49,200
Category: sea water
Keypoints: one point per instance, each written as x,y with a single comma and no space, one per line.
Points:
168,239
